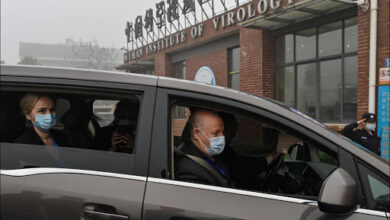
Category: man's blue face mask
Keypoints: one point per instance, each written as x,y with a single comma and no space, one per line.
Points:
217,144
45,122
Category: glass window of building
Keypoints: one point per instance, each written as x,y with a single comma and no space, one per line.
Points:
307,89
285,49
330,39
234,68
179,72
350,88
350,35
316,70
286,85
330,90
305,44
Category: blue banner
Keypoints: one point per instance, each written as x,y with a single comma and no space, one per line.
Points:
384,119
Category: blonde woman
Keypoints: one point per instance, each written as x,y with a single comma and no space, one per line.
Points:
40,112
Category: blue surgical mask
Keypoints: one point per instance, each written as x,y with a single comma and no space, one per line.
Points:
370,126
45,122
217,144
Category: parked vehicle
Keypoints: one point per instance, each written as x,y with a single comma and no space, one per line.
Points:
328,176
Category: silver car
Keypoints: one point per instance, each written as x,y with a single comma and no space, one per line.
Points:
323,176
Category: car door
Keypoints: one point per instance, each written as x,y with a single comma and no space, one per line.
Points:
77,182
166,198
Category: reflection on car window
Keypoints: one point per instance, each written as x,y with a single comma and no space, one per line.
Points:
377,187
104,109
68,129
250,159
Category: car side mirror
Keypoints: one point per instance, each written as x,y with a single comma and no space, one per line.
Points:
339,193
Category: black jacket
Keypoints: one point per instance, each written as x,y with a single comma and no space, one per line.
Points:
189,171
31,137
241,172
361,136
102,140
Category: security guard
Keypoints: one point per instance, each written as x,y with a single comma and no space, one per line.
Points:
363,132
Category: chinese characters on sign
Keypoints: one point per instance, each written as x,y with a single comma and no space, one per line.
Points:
384,112
158,26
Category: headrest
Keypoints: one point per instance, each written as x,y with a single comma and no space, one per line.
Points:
77,116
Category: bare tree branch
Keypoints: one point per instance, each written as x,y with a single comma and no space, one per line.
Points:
91,55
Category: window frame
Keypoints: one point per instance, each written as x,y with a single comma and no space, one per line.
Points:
145,113
317,60
180,112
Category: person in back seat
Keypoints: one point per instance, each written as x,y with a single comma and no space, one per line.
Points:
76,121
119,136
40,113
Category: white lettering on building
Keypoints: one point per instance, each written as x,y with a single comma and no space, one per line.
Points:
223,21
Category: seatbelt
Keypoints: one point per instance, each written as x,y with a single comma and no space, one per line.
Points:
205,165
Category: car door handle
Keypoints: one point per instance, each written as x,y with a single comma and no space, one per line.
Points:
90,214
100,211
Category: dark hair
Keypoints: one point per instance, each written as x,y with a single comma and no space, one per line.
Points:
127,105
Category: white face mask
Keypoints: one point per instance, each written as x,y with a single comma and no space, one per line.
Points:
370,127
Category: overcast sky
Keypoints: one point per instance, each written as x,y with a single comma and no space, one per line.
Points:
52,21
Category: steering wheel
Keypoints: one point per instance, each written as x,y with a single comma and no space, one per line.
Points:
272,171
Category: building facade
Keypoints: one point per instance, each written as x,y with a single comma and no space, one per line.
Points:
70,54
311,54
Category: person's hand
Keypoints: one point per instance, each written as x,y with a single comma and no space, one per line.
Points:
274,155
118,139
128,140
361,123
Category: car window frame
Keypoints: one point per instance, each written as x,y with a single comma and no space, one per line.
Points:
160,157
146,112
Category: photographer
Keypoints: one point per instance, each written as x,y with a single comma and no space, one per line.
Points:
119,136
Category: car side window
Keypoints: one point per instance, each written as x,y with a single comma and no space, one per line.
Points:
377,188
83,137
252,155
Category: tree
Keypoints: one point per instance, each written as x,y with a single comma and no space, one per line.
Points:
28,60
91,55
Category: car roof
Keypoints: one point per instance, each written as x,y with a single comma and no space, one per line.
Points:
187,85
79,74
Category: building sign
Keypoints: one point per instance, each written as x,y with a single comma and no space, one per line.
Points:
165,28
205,75
384,112
384,119
384,76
